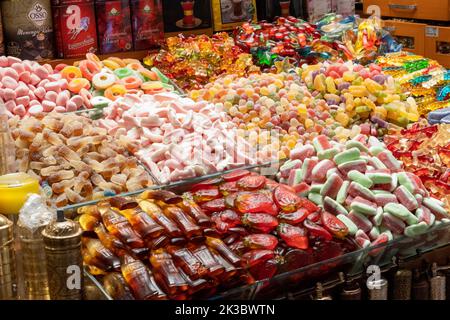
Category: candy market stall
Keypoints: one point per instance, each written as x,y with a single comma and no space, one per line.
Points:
278,161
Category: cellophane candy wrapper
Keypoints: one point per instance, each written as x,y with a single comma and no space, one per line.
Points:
197,60
425,151
35,213
426,80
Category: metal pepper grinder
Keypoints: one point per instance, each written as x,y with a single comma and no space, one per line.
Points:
8,285
437,283
402,285
62,240
420,287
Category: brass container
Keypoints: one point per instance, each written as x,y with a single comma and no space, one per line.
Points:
62,240
33,265
378,290
351,291
8,286
402,285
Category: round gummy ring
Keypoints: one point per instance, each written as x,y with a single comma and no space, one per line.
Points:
75,85
103,80
115,92
89,69
132,82
123,72
70,72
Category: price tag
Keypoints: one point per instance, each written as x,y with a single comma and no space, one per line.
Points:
431,32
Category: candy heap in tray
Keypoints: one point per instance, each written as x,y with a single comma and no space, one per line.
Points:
77,160
196,60
425,151
365,187
222,233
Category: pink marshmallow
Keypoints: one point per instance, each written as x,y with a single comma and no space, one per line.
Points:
34,79
42,72
25,100
22,91
60,109
10,72
48,106
51,96
71,106
12,60
78,100
52,86
25,76
9,82
34,103
10,105
40,93
9,94
20,110
19,67
36,109
62,98
4,62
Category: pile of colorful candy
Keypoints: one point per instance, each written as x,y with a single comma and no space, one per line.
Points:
27,88
365,187
102,82
424,79
197,60
156,246
356,93
74,160
439,116
224,232
364,38
425,151
287,37
275,110
178,138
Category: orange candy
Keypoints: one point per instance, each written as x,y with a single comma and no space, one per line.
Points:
70,72
89,69
75,85
132,82
115,91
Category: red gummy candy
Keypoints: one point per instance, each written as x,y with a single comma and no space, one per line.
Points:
295,217
235,175
317,231
259,221
251,182
214,205
285,199
334,225
260,241
308,205
255,257
206,183
295,237
264,270
206,193
228,188
254,202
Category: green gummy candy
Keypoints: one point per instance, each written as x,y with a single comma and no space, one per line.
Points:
435,205
327,154
416,229
377,163
378,219
100,102
347,155
331,171
398,210
316,188
342,193
379,178
374,232
160,75
375,192
363,208
405,181
316,198
337,206
351,226
356,144
375,150
357,176
297,176
123,72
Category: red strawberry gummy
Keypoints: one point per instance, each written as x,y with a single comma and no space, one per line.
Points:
260,221
295,237
214,205
334,225
295,217
285,199
235,175
228,188
251,182
316,230
254,202
255,257
261,241
308,205
206,193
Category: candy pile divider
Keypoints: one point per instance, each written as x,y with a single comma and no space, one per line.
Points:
285,285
